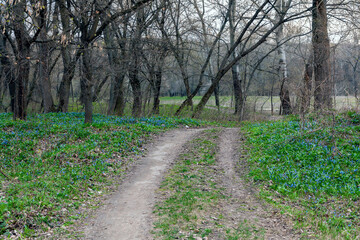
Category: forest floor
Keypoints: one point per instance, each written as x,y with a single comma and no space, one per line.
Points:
222,204
179,178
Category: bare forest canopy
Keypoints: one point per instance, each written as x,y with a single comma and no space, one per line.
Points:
55,53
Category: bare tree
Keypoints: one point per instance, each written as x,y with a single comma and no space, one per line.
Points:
252,35
88,18
176,39
21,45
211,49
154,57
116,44
134,64
69,60
44,56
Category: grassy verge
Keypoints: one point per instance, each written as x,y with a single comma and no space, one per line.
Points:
192,197
189,192
311,170
55,165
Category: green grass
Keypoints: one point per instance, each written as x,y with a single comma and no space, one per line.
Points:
314,165
190,191
55,164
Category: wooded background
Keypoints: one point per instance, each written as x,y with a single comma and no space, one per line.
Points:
55,53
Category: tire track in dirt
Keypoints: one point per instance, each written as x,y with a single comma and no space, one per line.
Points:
243,205
127,214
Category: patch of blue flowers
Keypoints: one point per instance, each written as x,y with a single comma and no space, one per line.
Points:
307,157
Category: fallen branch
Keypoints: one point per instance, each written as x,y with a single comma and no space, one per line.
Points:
4,174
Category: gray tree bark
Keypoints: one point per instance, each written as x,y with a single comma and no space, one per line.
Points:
134,66
238,93
22,56
118,66
44,71
8,69
69,61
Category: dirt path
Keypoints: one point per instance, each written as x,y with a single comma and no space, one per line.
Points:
126,214
244,206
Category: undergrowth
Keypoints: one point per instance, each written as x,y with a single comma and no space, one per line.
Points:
54,163
313,165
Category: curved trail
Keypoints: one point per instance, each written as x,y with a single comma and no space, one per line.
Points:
244,206
126,215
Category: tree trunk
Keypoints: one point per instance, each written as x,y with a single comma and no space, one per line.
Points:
355,85
87,83
157,88
136,88
238,94
321,49
98,87
146,98
116,101
21,80
210,91
283,74
185,77
22,62
285,100
45,78
32,84
216,93
135,65
8,69
119,97
134,79
69,63
68,75
44,64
